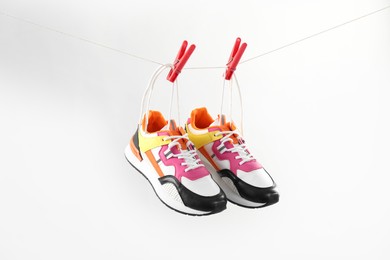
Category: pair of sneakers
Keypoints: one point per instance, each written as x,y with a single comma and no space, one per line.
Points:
195,170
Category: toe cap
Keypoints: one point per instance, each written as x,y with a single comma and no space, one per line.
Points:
267,195
212,204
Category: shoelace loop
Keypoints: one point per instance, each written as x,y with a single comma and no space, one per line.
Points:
188,155
240,148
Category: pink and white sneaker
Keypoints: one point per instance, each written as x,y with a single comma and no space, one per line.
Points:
163,153
242,178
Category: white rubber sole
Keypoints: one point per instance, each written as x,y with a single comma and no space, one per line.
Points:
228,187
167,193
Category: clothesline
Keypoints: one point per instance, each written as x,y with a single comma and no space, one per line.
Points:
203,67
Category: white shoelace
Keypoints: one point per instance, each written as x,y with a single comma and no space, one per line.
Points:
188,155
240,148
230,86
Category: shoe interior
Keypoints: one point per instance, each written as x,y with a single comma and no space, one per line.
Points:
200,118
156,121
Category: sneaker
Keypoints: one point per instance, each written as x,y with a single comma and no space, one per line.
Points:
168,160
243,179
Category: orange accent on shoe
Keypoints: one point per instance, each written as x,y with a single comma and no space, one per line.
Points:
207,156
156,121
183,143
151,158
174,130
200,118
182,131
230,126
135,150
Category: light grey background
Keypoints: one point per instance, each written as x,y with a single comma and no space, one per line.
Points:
316,115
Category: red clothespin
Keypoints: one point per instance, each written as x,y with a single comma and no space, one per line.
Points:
180,61
234,59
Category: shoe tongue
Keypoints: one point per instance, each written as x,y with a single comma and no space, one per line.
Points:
220,120
170,126
221,123
165,128
172,129
215,123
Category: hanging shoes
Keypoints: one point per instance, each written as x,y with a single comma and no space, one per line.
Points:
163,153
222,147
242,178
223,169
165,156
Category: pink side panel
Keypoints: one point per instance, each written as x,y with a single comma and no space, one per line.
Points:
234,163
179,169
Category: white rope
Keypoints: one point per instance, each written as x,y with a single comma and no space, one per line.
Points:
177,100
230,86
145,104
223,96
241,106
149,90
315,34
195,68
171,103
148,93
81,38
205,68
175,88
